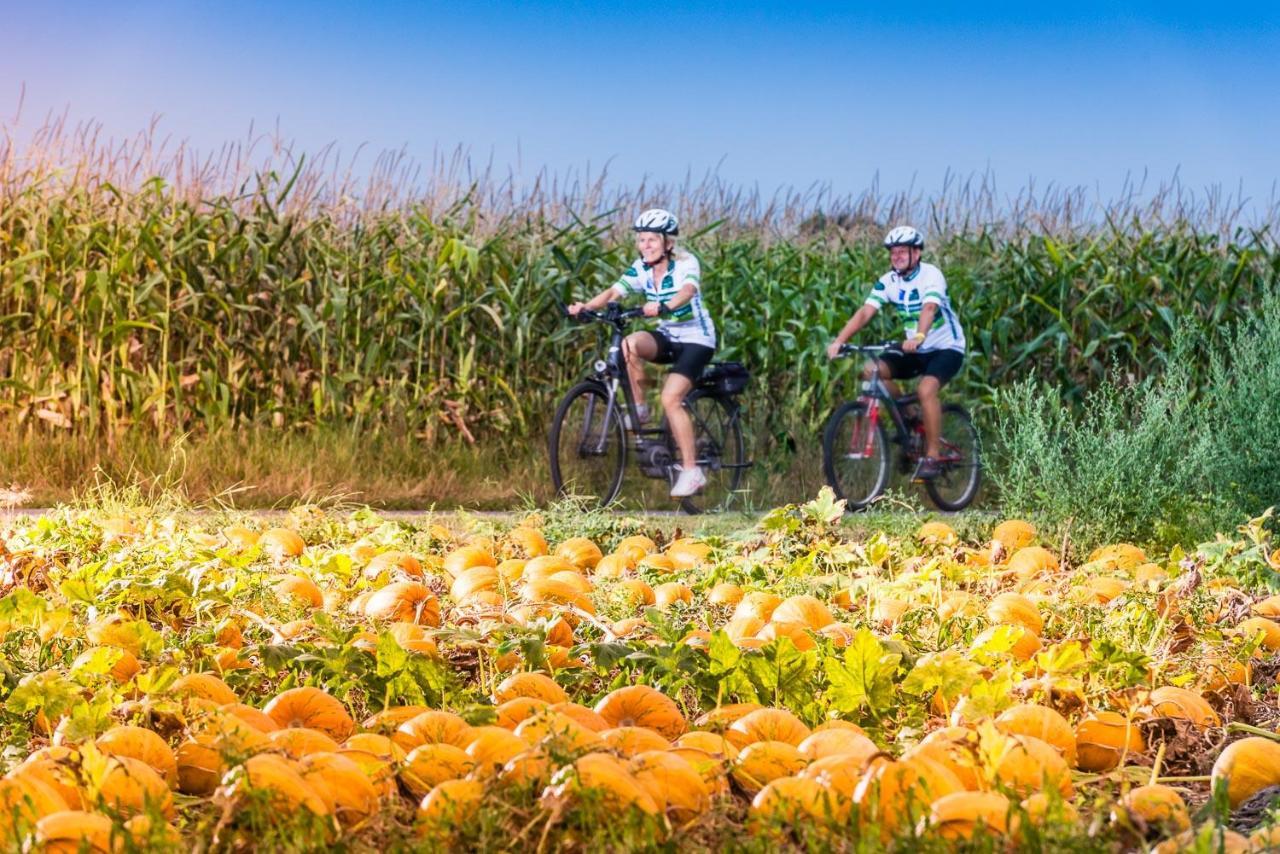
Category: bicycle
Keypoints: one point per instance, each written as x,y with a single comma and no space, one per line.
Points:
590,436
856,444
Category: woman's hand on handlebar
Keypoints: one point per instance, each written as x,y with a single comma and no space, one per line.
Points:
833,349
652,309
575,308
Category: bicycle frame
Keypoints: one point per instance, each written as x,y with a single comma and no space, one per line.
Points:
876,396
855,432
612,373
875,393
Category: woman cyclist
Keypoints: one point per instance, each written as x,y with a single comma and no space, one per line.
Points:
670,280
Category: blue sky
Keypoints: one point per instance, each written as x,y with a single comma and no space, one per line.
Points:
769,94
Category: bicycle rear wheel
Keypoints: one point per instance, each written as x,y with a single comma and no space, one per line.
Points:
855,454
588,445
721,452
961,459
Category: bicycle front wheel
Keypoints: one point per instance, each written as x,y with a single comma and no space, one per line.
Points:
855,454
961,461
588,445
721,453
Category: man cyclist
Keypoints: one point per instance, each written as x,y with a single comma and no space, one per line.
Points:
670,281
934,346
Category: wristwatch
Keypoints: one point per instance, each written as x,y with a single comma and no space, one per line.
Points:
920,336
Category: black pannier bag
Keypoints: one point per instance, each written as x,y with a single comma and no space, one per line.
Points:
725,378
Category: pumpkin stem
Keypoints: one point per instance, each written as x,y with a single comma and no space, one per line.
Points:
1155,766
1202,778
1236,726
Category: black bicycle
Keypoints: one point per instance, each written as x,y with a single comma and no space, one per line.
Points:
596,425
857,448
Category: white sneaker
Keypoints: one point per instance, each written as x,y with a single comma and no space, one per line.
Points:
689,482
642,411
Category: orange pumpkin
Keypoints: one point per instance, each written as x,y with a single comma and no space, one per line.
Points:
143,745
312,708
298,590
461,559
725,593
1016,609
805,611
131,786
351,795
767,725
527,542
204,686
1173,702
23,802
536,685
607,779
432,727
276,778
674,784
404,601
640,705
580,551
428,765
896,794
1104,739
1042,722
761,762
492,747
960,815
629,741
1031,765
446,807
393,560
298,742
281,543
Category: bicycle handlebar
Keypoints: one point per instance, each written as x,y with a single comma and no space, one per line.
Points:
614,315
869,349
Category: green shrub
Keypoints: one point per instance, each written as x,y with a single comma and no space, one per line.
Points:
1156,460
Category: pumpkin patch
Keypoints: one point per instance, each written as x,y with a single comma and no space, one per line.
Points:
342,680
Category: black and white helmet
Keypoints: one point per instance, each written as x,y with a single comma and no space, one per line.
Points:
658,221
904,235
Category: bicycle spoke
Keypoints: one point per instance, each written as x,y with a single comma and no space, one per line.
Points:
587,448
957,483
719,451
856,455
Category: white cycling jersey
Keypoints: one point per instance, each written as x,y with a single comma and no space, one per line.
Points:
690,323
908,294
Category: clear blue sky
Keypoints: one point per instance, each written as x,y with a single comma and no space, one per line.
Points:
769,93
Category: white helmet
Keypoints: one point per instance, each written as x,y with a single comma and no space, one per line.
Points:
658,221
904,235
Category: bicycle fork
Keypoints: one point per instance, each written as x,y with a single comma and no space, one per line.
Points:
595,445
862,446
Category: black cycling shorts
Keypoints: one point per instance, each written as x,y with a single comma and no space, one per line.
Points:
942,364
688,360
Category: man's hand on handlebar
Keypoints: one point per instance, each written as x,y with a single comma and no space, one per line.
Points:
833,349
575,308
652,309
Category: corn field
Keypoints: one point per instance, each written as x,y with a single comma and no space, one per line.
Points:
142,288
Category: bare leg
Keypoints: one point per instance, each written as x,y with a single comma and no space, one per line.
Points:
931,410
885,375
673,393
638,348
